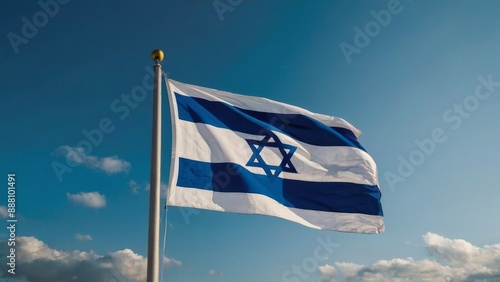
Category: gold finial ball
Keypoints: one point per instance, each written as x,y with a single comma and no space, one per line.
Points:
157,55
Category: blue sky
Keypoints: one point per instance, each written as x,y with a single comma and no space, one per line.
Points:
428,74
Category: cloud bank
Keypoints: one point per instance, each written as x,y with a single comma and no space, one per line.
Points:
38,262
452,260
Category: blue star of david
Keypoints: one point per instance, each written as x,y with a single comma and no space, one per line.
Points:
271,140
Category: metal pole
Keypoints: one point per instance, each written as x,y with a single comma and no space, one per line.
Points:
155,179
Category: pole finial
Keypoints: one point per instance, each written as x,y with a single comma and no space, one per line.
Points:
157,55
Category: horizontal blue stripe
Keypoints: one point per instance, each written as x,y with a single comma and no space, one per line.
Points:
299,127
320,196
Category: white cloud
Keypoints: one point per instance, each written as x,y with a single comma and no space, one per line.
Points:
327,270
77,155
134,186
90,199
171,262
3,212
41,263
455,260
212,272
82,237
393,270
459,253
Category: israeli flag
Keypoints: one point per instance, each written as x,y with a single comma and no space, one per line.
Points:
242,154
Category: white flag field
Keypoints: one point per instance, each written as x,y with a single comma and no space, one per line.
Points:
243,154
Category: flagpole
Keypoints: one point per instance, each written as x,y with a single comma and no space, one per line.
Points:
155,177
